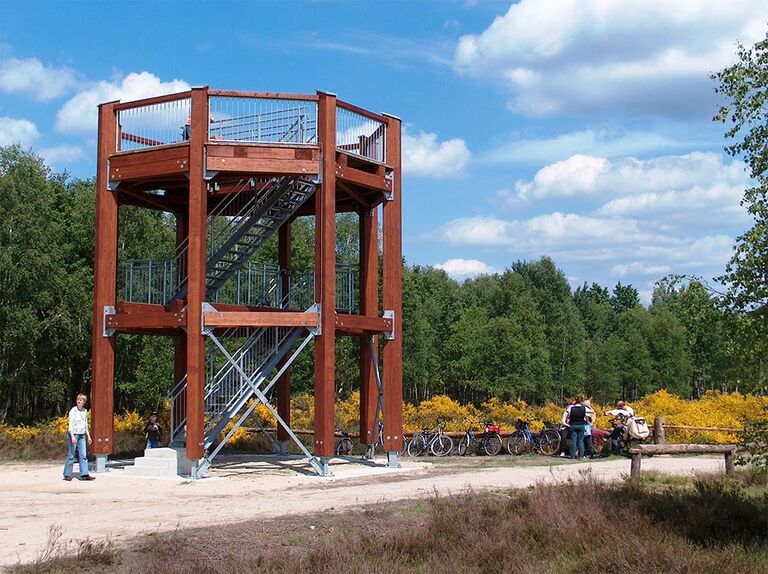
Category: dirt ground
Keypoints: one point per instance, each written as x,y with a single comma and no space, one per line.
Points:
34,498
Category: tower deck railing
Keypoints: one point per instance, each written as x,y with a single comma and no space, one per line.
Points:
248,118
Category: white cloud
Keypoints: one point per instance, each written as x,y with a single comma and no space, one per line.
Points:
601,56
62,154
597,247
640,269
698,177
80,114
596,142
424,155
461,268
13,131
31,78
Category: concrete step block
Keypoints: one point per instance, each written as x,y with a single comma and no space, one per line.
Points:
163,453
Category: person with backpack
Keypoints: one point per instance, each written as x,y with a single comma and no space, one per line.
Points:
577,420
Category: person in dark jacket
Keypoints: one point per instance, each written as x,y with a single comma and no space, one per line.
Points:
153,431
577,421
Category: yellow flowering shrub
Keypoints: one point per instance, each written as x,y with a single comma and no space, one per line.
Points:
303,411
714,409
456,416
503,414
130,421
20,433
348,413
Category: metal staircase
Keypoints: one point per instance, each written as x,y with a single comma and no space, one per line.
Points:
247,218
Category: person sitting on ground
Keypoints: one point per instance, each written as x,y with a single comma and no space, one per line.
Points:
620,415
577,421
153,431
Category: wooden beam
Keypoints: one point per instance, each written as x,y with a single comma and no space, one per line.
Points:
393,296
152,320
104,289
261,319
263,95
364,179
325,279
369,307
352,193
168,160
267,159
126,137
362,324
684,448
150,201
151,101
196,260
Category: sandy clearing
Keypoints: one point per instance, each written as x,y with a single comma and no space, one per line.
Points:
33,497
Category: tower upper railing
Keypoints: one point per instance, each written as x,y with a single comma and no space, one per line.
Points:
248,118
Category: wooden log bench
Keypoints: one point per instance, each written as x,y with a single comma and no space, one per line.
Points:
636,453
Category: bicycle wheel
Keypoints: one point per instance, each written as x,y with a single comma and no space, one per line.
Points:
518,444
344,447
404,448
442,445
417,446
464,445
492,444
549,442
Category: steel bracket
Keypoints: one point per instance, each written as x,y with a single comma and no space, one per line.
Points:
206,308
390,175
318,329
390,314
108,310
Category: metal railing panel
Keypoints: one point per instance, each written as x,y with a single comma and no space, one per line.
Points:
360,135
256,284
262,120
153,125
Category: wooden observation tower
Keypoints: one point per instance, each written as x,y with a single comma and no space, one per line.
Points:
234,169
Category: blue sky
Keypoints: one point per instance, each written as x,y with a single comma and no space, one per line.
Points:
576,129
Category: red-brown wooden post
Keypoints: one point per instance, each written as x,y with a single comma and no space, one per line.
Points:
369,307
325,278
104,292
196,260
393,295
284,383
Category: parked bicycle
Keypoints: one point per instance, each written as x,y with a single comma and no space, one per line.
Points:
370,452
523,440
344,445
488,442
439,443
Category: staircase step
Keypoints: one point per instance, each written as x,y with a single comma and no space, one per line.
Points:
160,453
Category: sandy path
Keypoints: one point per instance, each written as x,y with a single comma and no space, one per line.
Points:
33,497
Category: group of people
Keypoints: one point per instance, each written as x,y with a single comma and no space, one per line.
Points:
78,435
578,424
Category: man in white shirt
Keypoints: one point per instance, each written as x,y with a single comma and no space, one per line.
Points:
77,436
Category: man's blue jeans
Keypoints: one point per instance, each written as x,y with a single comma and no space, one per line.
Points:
577,440
82,455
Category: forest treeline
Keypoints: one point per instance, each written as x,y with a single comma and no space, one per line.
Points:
523,333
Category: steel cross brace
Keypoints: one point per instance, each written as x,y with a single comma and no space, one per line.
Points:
320,467
376,430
